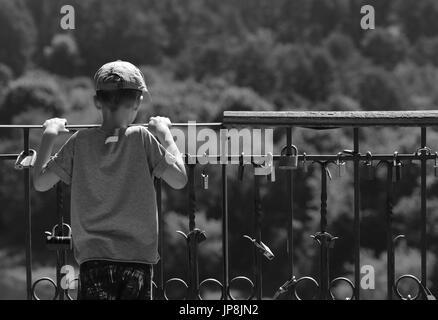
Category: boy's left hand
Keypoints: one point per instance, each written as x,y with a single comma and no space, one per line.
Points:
159,126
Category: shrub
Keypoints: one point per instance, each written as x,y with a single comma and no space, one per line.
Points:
62,56
32,92
5,75
379,90
385,47
17,35
426,51
340,46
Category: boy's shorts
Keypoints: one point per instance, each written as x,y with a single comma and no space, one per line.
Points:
108,280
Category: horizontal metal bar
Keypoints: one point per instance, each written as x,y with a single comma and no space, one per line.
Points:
331,119
363,157
376,157
84,126
9,156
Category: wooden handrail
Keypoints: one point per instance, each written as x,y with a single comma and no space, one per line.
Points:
332,119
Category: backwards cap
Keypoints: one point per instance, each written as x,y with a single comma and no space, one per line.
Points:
119,75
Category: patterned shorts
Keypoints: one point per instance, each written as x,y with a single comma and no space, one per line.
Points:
108,280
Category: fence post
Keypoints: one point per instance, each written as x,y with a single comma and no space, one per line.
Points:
258,236
290,194
389,233
60,254
160,285
423,210
192,239
27,218
225,233
356,213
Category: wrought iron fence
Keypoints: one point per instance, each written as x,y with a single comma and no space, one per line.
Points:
289,159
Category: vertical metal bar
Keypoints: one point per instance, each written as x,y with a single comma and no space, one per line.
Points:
258,236
160,284
356,214
389,233
192,239
60,254
423,210
323,221
27,218
192,196
289,188
225,232
324,277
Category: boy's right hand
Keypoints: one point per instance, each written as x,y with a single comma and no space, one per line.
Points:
159,126
55,125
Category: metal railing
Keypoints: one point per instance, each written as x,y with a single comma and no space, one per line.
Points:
288,159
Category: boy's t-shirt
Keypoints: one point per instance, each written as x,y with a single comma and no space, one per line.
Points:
113,204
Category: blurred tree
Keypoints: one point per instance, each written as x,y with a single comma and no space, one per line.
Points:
379,90
293,70
80,82
241,99
419,84
409,222
5,75
5,78
325,16
426,51
417,18
111,30
209,60
180,100
17,35
62,56
322,74
385,47
206,56
34,91
46,15
304,70
173,20
342,103
250,62
340,46
407,260
289,19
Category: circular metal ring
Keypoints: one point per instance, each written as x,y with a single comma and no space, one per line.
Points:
154,288
216,282
67,292
412,277
245,279
302,279
173,280
53,283
342,279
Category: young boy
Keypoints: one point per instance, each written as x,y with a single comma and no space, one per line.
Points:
111,170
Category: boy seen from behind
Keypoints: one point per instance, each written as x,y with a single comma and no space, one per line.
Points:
111,170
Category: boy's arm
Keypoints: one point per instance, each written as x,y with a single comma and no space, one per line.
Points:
174,174
43,179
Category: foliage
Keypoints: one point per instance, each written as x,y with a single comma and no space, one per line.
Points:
34,91
385,47
201,58
378,88
62,56
16,20
5,75
340,46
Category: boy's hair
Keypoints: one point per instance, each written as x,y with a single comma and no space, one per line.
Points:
113,99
